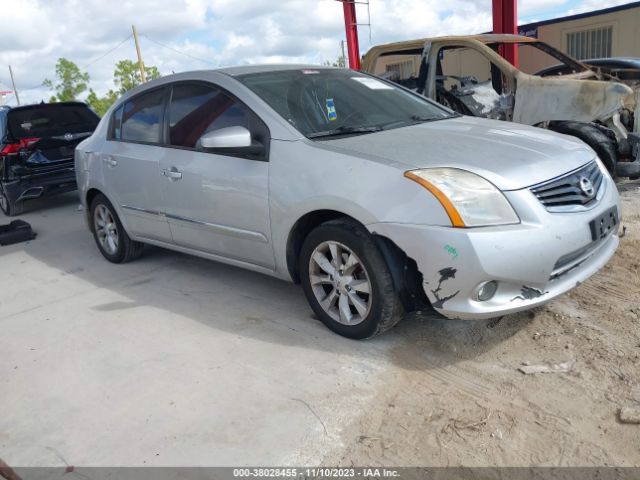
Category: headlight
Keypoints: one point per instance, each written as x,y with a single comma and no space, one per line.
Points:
469,200
602,168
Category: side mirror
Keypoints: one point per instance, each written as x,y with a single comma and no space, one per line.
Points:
230,137
232,141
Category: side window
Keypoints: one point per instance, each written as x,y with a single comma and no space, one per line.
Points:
466,81
141,118
197,109
116,124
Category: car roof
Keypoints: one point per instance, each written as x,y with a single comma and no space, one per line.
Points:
47,105
246,69
227,71
484,38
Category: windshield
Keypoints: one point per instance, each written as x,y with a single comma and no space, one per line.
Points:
536,57
332,102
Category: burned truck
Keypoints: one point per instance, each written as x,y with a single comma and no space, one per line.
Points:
37,144
468,75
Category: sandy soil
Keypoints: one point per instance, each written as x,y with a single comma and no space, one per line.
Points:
457,397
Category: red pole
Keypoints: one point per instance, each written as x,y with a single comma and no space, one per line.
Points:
351,28
505,20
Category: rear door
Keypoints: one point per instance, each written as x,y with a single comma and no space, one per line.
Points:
130,164
216,203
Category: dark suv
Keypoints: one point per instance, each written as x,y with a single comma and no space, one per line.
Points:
37,144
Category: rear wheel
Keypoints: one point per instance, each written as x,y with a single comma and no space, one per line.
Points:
347,282
109,234
9,208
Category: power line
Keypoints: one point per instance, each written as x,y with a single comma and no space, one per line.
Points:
176,50
106,53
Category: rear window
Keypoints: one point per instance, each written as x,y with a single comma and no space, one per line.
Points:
50,120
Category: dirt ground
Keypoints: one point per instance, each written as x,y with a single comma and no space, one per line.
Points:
180,361
460,399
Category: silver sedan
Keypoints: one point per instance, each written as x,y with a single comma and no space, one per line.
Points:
377,200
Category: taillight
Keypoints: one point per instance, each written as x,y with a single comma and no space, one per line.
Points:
10,148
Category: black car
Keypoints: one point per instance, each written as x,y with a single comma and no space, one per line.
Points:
624,68
37,144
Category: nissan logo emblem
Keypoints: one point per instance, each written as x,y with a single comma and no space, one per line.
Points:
587,187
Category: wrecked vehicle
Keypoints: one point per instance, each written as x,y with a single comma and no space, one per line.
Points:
467,74
37,143
620,69
377,200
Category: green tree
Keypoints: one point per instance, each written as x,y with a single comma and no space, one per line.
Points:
70,81
127,75
341,62
100,105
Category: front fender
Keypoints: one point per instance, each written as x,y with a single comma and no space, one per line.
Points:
541,99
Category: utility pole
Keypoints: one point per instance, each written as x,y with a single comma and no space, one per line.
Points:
344,57
13,83
143,76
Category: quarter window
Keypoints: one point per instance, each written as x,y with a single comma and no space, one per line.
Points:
140,118
116,124
197,109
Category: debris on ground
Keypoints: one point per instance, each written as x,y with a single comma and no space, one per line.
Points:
629,415
16,232
548,368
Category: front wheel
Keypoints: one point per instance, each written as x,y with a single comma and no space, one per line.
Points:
347,281
109,234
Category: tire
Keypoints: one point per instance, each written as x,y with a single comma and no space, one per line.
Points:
602,144
364,268
111,238
10,209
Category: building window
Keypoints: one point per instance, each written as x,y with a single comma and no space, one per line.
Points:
595,43
403,69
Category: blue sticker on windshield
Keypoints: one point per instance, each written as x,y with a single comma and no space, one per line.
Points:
331,110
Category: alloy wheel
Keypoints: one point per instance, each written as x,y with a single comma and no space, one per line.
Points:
106,229
340,283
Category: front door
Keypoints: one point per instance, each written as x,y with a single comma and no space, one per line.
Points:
215,203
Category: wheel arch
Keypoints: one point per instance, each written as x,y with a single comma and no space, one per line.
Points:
404,270
299,231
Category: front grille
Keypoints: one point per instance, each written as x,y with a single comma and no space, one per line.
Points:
571,189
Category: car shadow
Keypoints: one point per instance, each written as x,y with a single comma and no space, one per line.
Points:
246,303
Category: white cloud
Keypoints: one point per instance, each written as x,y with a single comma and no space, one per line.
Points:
35,33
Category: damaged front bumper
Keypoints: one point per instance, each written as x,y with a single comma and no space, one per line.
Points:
545,255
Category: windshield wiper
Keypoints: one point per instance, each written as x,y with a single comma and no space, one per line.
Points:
413,120
344,130
424,118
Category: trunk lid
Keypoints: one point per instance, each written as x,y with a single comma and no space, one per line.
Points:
45,136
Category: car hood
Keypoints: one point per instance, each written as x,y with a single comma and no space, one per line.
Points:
509,155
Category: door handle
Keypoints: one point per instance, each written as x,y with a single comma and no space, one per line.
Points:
110,161
172,174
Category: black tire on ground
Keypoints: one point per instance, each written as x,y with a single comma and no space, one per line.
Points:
386,307
603,145
127,249
10,209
